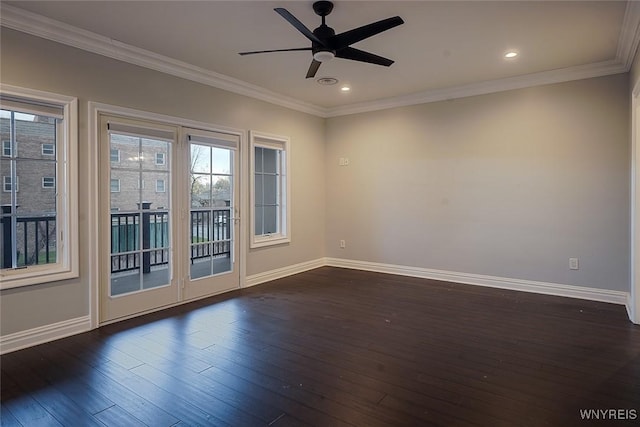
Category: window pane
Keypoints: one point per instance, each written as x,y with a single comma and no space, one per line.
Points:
200,159
33,131
259,190
270,160
258,159
221,191
28,175
270,219
157,193
140,214
154,154
200,190
210,216
221,161
259,214
270,189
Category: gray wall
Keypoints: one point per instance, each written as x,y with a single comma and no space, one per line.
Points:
39,64
510,184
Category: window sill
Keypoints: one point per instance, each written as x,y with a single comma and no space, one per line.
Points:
10,279
270,240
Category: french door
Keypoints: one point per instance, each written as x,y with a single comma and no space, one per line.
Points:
212,224
168,221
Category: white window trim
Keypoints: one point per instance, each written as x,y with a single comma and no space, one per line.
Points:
163,157
111,158
164,186
259,139
7,179
111,186
53,147
53,181
3,149
67,265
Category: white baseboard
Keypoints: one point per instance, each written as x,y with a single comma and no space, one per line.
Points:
43,334
557,289
256,279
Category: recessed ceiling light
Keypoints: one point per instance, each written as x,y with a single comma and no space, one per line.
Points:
327,81
511,54
345,88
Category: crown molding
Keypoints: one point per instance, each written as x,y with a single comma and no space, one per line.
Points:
47,28
629,35
598,69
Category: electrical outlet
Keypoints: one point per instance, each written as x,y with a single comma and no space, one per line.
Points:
343,161
343,244
573,264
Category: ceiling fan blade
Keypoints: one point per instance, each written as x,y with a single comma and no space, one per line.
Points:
299,25
362,56
313,69
350,37
274,50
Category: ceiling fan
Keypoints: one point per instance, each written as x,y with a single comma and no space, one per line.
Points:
326,44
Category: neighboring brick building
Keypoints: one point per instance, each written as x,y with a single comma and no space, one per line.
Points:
33,156
35,165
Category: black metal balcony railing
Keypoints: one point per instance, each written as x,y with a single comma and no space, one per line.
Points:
35,238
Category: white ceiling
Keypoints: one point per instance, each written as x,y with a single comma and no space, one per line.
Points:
442,47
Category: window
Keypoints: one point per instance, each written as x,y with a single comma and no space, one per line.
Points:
270,208
160,186
48,149
6,184
115,155
115,185
48,182
159,159
40,236
6,149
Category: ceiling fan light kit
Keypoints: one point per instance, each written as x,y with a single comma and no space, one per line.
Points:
326,44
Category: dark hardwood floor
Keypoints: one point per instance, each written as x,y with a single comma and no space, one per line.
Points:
334,347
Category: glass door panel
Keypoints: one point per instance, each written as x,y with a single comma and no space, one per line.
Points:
140,213
212,221
137,216
210,214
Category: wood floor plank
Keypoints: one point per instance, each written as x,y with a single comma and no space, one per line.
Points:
338,347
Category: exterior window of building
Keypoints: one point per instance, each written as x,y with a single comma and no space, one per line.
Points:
160,186
48,182
160,159
269,190
39,239
6,184
48,149
115,185
6,149
115,155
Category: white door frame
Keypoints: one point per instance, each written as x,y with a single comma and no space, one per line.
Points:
634,300
93,133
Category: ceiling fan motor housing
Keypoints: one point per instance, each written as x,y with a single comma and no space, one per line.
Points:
323,32
323,8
